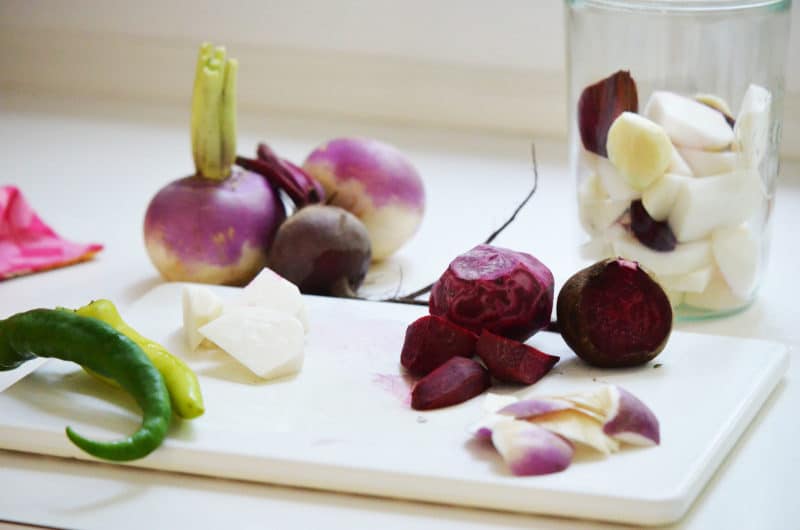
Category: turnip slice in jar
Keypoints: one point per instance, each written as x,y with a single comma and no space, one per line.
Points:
505,292
737,252
753,124
688,122
693,282
596,209
717,296
704,204
612,182
639,148
708,163
659,198
685,258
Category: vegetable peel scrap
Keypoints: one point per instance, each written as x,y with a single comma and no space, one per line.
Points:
28,244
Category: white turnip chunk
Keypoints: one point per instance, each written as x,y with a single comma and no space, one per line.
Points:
659,198
736,251
596,209
269,343
200,306
639,148
753,125
708,163
693,282
271,290
705,204
688,122
678,165
717,296
612,182
686,257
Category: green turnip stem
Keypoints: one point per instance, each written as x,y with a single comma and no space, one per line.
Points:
214,113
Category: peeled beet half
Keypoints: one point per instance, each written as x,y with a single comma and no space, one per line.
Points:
506,292
613,314
513,361
456,381
431,341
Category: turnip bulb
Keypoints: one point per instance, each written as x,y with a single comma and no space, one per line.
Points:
214,226
323,250
376,183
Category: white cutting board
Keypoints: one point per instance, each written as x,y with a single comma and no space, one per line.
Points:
342,424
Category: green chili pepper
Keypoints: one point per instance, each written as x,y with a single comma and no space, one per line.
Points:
97,346
181,381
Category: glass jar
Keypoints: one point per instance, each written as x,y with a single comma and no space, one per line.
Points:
675,124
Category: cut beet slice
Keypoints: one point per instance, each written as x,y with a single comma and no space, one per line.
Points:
431,341
600,104
613,314
651,233
513,361
456,381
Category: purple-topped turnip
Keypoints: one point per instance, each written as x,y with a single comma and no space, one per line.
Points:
214,226
376,183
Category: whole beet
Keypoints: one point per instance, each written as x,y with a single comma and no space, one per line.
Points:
613,314
323,250
505,292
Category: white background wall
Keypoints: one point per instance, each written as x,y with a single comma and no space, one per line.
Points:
506,57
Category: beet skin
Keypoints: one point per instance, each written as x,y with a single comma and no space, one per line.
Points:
512,361
506,292
613,314
454,382
431,341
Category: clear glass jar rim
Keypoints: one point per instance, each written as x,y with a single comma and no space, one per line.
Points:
684,5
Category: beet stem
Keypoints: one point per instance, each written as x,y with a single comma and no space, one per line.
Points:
412,296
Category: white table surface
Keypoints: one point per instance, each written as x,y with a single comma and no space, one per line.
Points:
90,167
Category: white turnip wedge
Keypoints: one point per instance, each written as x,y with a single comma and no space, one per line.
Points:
269,343
271,290
200,306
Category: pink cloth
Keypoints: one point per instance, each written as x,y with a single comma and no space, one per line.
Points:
27,244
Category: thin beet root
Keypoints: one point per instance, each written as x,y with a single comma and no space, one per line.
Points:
456,381
613,314
512,361
651,233
431,341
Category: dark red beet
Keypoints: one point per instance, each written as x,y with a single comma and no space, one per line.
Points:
506,292
431,341
600,104
613,314
456,381
651,233
323,250
513,361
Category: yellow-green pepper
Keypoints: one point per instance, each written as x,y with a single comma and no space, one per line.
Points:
181,381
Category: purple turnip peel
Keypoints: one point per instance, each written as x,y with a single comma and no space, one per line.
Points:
505,292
